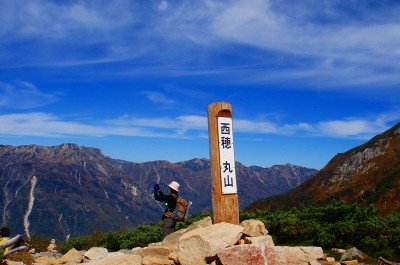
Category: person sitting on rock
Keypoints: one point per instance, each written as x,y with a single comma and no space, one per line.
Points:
10,245
170,204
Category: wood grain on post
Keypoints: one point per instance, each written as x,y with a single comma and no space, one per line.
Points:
225,206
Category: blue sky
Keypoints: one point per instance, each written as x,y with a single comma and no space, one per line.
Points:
306,79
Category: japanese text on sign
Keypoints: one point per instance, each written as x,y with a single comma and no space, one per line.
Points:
226,155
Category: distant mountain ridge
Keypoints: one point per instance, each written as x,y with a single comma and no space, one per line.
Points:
71,190
366,174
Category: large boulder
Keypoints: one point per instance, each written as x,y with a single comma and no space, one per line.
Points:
263,255
264,240
202,244
171,240
151,254
243,254
149,260
95,253
312,253
353,254
118,259
159,251
46,260
200,224
254,228
285,255
72,256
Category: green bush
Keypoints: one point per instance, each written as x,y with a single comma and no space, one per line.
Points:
336,225
96,239
141,236
38,242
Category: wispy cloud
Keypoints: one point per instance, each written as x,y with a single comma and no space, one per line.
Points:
24,95
94,32
48,125
349,54
357,128
314,42
347,128
261,127
191,126
163,5
36,19
158,97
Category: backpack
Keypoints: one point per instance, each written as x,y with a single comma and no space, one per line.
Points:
180,210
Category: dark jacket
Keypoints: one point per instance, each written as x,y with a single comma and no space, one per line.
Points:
169,200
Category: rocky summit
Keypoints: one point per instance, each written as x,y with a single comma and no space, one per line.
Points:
205,243
69,190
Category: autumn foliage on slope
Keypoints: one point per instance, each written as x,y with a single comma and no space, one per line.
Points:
367,174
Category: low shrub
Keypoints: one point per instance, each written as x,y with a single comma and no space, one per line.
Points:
336,225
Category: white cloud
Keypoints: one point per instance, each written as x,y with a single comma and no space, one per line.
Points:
345,128
24,95
255,22
254,126
361,49
357,128
37,19
46,28
163,5
170,127
48,125
193,122
158,97
38,124
186,36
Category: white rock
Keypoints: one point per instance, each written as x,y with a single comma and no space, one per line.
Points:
243,254
120,259
254,228
312,253
330,259
160,252
264,240
280,255
72,256
197,245
96,253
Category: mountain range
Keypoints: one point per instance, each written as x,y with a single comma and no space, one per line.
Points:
70,190
367,174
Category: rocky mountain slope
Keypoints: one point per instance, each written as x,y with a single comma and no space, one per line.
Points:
366,174
72,190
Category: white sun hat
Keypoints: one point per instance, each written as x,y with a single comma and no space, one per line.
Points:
174,185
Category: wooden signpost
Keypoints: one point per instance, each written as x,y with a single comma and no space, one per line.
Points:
223,175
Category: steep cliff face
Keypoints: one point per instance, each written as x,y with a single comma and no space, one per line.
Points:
76,190
72,190
367,174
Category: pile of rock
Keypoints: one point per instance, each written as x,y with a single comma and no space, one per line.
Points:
224,243
200,244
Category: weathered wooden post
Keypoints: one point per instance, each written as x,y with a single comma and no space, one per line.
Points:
223,176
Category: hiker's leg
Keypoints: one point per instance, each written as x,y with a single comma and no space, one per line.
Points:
168,226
